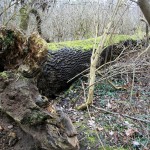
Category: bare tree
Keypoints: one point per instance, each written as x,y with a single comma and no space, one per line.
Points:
31,7
95,56
69,19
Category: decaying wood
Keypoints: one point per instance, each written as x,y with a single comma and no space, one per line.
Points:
48,129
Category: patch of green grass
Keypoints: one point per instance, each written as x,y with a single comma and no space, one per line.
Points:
92,139
89,43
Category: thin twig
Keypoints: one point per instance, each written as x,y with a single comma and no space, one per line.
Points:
114,72
124,115
10,18
146,50
132,87
78,75
8,8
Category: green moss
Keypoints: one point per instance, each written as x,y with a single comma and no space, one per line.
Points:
7,40
92,139
3,75
24,15
36,117
89,43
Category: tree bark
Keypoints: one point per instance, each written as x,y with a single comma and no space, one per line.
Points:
146,30
59,68
145,7
38,20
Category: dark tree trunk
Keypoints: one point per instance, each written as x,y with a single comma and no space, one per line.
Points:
146,30
38,20
63,65
59,68
52,70
145,7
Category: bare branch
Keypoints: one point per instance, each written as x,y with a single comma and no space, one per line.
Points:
124,115
8,8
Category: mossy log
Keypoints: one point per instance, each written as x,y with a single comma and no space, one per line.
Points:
52,70
63,65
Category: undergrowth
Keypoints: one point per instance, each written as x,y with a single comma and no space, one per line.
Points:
117,118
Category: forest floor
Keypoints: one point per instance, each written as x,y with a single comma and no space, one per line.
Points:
119,118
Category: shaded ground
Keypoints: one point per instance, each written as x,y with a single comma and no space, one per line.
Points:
118,119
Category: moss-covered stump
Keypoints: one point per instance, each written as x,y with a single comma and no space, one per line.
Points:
36,126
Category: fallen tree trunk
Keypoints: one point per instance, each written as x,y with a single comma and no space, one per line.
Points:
60,68
52,70
63,65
